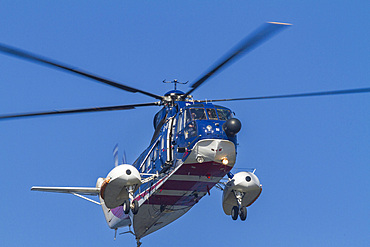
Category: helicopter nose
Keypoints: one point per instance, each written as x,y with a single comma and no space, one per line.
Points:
232,127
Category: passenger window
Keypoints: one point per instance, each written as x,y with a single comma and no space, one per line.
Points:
179,123
155,153
162,143
174,125
148,163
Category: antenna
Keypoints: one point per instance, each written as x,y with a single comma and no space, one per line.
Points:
175,81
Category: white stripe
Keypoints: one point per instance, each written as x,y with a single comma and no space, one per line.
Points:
178,193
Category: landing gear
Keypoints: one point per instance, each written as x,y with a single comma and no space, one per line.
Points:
243,213
126,206
135,207
234,213
239,209
130,203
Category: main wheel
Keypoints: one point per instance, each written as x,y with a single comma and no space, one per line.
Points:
135,207
243,213
234,213
126,206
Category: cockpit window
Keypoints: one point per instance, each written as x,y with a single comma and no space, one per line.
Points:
187,117
198,113
224,114
211,114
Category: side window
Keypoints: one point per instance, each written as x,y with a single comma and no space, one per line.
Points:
149,162
155,152
173,131
224,114
179,123
187,117
162,142
141,160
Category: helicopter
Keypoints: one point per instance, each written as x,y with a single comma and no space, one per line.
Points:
193,147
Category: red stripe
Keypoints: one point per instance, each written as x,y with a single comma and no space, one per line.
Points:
204,169
147,191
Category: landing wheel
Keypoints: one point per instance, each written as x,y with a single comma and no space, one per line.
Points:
135,207
234,213
126,206
243,213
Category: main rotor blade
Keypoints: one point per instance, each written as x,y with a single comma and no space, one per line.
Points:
266,31
337,92
94,109
35,58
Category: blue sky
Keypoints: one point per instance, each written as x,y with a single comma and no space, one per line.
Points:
311,154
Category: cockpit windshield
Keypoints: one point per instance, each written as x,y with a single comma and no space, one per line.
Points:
198,114
224,114
211,114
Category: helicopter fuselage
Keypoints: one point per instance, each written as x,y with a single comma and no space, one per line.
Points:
191,152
